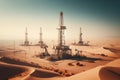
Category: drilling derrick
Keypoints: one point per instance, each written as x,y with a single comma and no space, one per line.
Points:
41,41
61,48
61,31
26,43
80,38
42,44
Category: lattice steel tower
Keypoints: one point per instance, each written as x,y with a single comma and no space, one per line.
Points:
61,29
26,43
80,38
41,41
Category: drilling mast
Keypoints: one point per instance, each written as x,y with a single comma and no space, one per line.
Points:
42,44
61,47
80,38
41,41
61,31
26,43
41,34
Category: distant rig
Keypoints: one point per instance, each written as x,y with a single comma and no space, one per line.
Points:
81,42
41,42
26,42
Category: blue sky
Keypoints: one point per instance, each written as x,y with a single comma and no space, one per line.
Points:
98,18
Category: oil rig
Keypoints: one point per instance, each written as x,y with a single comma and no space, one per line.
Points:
26,42
80,38
62,49
81,42
40,42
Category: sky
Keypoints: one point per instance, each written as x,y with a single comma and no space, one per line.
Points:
98,19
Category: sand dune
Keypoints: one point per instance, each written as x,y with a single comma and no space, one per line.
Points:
115,50
18,62
43,74
13,72
94,50
17,72
110,71
107,72
23,66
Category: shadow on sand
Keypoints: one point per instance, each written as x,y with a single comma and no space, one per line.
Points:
109,73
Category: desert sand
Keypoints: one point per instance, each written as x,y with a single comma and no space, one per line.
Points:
22,64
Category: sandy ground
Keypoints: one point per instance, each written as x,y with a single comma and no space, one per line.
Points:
23,65
110,71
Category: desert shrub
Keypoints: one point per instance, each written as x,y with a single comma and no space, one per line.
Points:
66,71
70,64
72,73
103,55
78,63
60,72
56,70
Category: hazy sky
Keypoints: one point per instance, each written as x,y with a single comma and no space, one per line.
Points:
98,18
